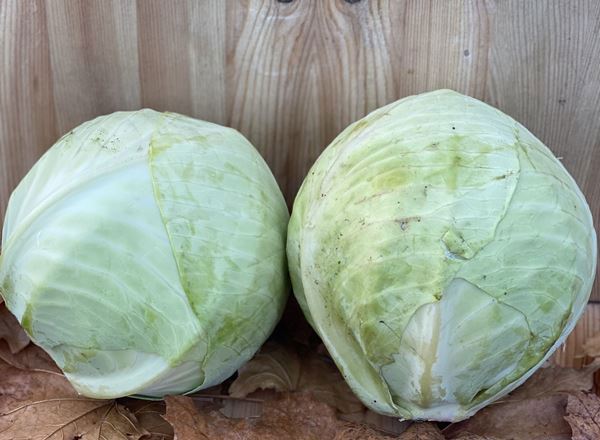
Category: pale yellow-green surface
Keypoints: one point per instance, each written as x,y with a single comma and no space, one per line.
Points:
146,253
440,251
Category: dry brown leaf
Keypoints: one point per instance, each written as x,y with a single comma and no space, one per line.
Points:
280,368
60,418
389,425
360,432
18,387
422,431
591,346
552,379
117,422
538,418
289,416
31,358
11,331
583,415
477,437
149,415
187,422
41,404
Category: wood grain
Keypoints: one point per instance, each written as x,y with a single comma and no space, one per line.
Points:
182,57
291,75
270,59
93,52
28,122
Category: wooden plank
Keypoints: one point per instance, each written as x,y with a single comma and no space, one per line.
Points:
27,116
440,45
271,81
182,57
93,48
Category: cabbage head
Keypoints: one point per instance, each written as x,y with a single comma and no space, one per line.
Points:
145,252
442,253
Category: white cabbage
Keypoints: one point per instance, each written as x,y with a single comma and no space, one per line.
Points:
442,253
145,252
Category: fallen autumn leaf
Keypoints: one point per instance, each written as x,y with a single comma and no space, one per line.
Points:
583,415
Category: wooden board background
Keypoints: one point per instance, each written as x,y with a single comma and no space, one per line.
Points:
290,75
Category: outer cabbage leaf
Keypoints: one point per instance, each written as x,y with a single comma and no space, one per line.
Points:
442,253
146,253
